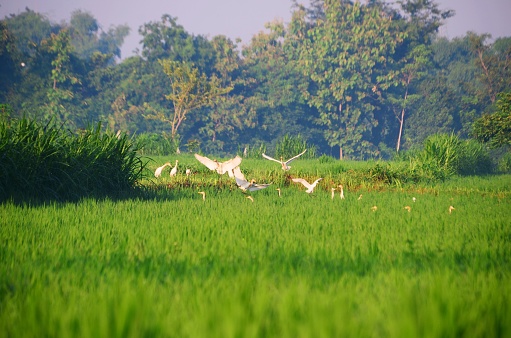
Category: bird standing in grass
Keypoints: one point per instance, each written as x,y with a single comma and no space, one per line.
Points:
203,195
250,198
188,172
283,163
278,189
333,193
173,172
451,208
341,193
408,208
157,172
310,186
219,167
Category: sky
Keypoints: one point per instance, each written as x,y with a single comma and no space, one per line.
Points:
240,18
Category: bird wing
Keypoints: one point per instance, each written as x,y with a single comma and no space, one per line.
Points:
270,158
316,181
255,187
302,181
237,173
242,183
229,165
212,165
295,157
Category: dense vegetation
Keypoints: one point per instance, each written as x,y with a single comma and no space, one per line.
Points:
291,266
358,79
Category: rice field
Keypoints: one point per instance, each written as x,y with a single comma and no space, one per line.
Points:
171,264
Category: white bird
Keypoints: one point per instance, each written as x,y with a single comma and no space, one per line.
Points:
236,172
203,195
250,198
250,186
157,172
278,189
310,187
341,194
333,193
173,172
188,172
219,167
451,208
283,163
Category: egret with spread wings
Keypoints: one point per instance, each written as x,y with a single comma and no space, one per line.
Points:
310,186
219,167
285,164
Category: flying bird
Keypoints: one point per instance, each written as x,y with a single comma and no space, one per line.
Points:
173,172
249,185
283,163
219,167
157,172
310,186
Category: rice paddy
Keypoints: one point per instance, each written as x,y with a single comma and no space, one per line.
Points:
172,264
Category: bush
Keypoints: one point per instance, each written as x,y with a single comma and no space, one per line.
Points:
47,162
474,159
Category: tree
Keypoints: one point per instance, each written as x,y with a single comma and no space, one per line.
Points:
190,90
495,129
414,67
346,56
494,61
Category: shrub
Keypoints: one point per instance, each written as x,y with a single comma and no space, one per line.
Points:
48,162
474,159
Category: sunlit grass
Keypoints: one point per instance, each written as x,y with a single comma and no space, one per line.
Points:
290,266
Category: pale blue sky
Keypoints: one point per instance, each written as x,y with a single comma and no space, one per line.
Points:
241,18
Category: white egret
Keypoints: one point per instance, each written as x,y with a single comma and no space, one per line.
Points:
173,172
283,163
219,167
250,198
250,186
157,172
451,208
333,193
278,189
310,186
374,208
341,194
188,172
414,199
408,208
203,195
360,197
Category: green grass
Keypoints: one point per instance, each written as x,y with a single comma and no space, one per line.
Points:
173,265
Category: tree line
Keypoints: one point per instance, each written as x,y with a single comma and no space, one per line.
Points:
356,80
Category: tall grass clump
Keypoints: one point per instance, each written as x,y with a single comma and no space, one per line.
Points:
290,146
474,159
48,162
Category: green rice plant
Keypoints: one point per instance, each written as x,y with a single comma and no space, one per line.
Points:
173,264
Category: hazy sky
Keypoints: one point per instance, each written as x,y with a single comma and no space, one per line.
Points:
240,18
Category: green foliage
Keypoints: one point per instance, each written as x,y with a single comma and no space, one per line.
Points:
290,146
47,162
474,159
292,266
495,129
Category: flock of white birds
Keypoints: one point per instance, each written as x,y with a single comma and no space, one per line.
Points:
232,168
